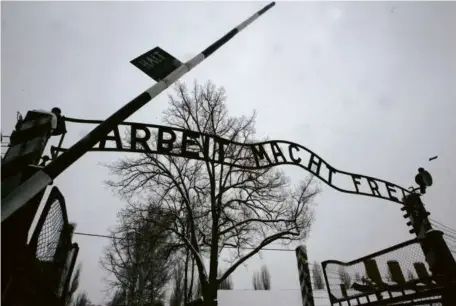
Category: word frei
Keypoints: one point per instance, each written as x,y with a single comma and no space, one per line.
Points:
157,139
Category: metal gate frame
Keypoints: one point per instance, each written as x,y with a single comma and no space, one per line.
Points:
431,292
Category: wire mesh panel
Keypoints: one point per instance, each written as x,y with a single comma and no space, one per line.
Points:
392,276
51,239
49,235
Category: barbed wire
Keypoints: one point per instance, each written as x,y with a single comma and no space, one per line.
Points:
451,246
449,235
228,247
441,225
330,274
445,232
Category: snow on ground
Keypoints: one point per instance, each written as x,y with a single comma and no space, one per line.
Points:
268,297
274,298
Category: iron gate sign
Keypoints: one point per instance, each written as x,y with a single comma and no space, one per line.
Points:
159,139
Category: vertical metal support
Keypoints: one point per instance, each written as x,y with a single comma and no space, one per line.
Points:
61,257
55,153
442,265
328,285
73,255
441,262
27,143
304,276
417,214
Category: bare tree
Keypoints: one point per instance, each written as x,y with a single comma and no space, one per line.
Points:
139,257
344,277
177,295
266,278
198,291
214,203
190,287
82,300
358,277
317,276
227,283
257,285
262,279
118,299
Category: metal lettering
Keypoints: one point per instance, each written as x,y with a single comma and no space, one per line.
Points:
212,145
391,189
374,187
168,142
260,153
189,138
115,137
135,139
356,181
276,152
295,160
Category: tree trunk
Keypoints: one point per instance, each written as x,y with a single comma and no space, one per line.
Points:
210,295
186,300
190,289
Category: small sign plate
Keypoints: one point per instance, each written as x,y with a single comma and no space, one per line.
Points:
157,63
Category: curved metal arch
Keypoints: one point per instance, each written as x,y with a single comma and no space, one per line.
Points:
315,159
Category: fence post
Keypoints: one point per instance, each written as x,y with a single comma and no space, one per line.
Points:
442,265
27,143
66,279
304,276
438,256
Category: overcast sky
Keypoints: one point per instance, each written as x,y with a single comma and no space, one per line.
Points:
370,87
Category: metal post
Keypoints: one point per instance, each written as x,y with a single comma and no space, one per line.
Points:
27,144
442,265
417,214
438,256
42,178
304,276
73,254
